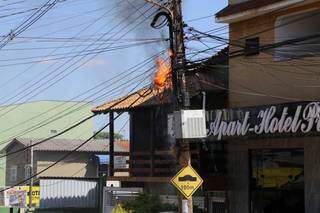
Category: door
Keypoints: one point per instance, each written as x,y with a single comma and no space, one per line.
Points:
277,181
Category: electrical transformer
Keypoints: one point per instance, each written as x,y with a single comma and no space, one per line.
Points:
188,124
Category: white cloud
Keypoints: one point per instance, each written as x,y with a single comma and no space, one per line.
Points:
46,61
96,62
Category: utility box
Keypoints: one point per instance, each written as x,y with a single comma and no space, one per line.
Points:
189,124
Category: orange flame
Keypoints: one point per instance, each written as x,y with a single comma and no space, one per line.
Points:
163,74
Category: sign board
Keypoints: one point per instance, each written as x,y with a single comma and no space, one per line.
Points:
19,196
187,181
15,198
120,162
283,120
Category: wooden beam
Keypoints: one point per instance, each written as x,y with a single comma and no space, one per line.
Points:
152,148
121,153
122,170
149,161
141,179
148,153
145,170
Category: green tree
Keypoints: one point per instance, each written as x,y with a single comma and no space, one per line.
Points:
105,135
146,203
119,209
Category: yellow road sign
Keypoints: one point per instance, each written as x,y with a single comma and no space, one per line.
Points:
35,194
187,181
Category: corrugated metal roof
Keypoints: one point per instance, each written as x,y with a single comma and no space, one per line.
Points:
141,98
101,145
244,6
68,193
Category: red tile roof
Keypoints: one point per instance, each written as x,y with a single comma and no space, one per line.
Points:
241,7
140,98
124,144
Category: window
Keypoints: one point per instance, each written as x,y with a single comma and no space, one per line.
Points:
120,162
294,27
13,173
26,171
252,46
216,154
277,181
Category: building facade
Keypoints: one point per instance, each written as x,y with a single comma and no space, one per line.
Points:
25,120
153,149
276,169
82,163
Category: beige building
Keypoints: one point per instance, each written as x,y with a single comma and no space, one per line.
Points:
284,74
83,163
274,59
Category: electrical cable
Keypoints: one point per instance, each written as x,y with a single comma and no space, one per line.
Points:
45,83
61,116
23,88
44,123
74,150
64,131
27,23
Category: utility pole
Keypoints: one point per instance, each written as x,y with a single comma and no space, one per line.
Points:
30,175
183,102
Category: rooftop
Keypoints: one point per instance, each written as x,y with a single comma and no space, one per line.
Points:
145,97
244,6
64,145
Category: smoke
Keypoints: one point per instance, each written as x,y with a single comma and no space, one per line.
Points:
143,13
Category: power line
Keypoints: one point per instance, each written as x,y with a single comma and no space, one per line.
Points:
49,138
74,150
57,75
73,54
63,115
59,115
28,22
68,129
49,55
200,18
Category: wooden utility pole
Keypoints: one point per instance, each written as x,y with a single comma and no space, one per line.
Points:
183,102
181,99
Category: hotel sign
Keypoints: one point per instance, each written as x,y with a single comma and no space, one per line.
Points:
285,119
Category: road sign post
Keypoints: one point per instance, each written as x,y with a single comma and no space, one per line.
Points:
187,181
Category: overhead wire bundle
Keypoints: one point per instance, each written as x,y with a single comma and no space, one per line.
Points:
85,119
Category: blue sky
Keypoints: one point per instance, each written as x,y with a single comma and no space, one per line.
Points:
85,20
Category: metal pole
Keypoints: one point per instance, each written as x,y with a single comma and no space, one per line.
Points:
31,174
111,144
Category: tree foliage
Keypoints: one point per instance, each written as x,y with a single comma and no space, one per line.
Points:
146,203
105,135
119,209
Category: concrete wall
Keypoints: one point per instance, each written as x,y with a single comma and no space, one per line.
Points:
20,160
262,80
76,165
238,168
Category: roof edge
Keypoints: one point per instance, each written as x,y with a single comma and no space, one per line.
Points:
250,9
